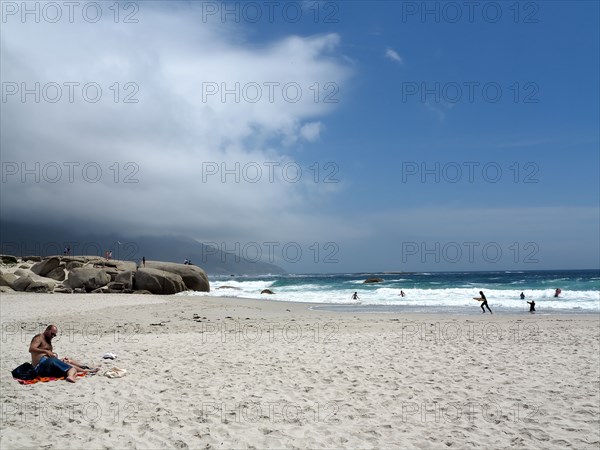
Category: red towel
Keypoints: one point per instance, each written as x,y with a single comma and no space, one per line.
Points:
46,379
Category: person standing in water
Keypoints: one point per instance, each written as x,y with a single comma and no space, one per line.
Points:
523,296
355,296
484,303
531,306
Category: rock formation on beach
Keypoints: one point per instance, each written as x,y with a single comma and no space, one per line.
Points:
98,275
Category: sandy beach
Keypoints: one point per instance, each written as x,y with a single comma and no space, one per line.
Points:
207,372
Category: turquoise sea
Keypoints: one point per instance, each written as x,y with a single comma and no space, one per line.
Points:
425,291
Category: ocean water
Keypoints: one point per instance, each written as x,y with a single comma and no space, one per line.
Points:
425,291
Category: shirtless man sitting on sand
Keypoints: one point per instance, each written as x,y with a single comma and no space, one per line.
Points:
46,362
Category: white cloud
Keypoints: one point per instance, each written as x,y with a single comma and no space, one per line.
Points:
311,131
392,54
212,108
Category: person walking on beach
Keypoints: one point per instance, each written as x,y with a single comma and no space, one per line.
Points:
144,261
531,306
484,303
355,296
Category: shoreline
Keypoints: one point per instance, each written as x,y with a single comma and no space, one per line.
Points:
361,308
344,308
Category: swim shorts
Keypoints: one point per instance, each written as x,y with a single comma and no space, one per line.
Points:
51,367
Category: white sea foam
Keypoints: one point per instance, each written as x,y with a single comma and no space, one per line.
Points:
381,295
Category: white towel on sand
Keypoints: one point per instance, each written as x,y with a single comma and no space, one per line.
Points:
115,372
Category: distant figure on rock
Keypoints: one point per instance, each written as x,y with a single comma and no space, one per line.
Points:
186,261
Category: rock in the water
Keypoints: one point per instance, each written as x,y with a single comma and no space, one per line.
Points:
46,266
8,259
7,279
32,258
267,291
57,274
194,277
21,283
87,278
158,282
373,280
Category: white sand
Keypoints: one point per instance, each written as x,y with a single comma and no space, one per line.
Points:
278,375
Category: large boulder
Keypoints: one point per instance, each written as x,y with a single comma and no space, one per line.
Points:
32,258
7,279
25,275
57,274
87,278
22,283
46,266
74,265
126,278
158,282
120,266
194,277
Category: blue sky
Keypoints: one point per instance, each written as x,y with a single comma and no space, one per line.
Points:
541,211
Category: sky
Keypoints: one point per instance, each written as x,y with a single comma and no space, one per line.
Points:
319,136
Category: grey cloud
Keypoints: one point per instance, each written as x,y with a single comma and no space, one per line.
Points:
161,143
